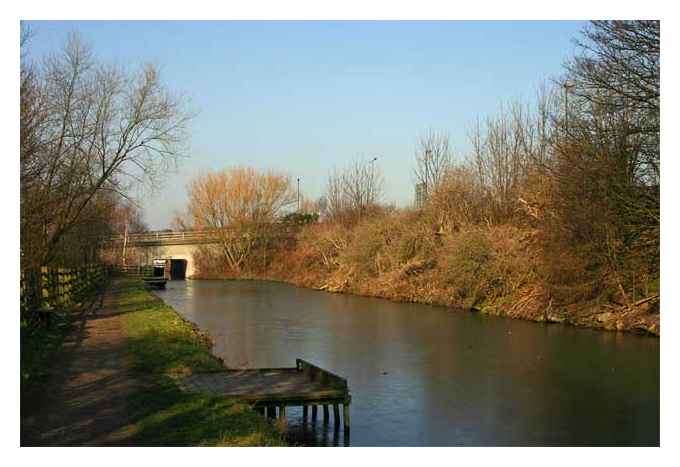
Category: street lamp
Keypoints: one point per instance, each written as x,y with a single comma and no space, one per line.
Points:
372,165
372,181
568,86
428,153
298,194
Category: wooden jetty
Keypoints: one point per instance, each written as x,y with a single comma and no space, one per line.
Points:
269,389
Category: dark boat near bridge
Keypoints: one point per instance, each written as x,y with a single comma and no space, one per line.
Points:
155,282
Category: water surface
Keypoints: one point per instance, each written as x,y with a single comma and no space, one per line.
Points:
431,376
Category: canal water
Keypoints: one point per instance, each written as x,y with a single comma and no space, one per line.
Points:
430,376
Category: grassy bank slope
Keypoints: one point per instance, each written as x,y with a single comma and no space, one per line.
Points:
163,346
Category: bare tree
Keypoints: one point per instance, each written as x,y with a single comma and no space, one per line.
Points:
433,159
91,128
352,191
545,122
501,151
361,185
335,200
618,72
607,173
241,204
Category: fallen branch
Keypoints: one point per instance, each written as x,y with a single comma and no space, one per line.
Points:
645,300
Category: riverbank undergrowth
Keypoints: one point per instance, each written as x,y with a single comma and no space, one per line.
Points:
495,269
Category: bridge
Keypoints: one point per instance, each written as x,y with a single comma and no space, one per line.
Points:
178,247
190,237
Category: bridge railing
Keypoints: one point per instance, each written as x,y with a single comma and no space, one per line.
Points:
167,237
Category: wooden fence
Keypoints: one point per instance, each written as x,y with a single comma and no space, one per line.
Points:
58,287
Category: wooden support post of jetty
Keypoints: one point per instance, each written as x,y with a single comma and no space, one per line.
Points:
325,413
314,408
336,415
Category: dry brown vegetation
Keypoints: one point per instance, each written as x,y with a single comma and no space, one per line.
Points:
554,216
241,204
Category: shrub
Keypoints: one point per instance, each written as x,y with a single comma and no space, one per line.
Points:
322,244
368,250
466,263
416,238
459,200
298,218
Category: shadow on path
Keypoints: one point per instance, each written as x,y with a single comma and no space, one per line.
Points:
85,399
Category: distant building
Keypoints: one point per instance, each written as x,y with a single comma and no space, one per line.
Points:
421,195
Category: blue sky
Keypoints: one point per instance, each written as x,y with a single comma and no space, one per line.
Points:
305,97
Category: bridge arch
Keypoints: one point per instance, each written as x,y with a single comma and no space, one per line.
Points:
184,253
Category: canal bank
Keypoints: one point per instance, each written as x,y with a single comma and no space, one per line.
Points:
501,270
641,317
112,383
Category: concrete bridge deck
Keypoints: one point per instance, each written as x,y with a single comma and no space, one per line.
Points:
173,245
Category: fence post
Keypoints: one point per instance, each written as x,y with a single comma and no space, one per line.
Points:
58,289
80,283
70,285
66,288
45,284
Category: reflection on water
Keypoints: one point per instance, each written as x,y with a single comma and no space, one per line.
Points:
429,376
314,432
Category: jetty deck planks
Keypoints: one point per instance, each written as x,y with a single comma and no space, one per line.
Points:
303,385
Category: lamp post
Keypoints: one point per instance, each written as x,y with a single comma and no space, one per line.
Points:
372,193
298,194
428,153
567,87
373,167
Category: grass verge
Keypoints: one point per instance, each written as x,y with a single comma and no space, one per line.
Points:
164,346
